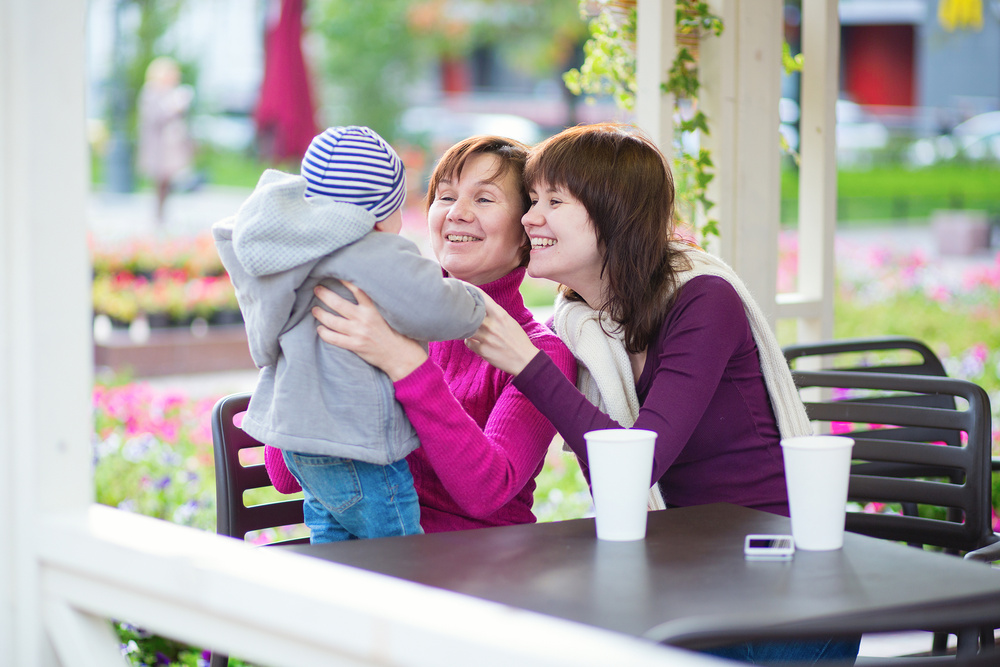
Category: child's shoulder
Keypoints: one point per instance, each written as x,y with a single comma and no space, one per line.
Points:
384,243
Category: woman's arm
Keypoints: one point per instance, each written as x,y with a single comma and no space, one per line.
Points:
482,469
282,479
362,330
701,333
501,341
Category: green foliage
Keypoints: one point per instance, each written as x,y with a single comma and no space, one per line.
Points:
967,336
370,53
534,36
964,330
561,492
790,63
896,293
373,51
143,648
538,292
609,57
609,68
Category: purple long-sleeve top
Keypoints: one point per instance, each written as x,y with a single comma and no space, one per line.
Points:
702,391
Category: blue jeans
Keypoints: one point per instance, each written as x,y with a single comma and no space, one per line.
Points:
349,500
800,652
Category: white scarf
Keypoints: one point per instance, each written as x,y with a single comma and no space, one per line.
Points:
605,370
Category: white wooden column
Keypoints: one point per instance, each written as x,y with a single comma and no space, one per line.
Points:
812,305
741,84
45,349
654,54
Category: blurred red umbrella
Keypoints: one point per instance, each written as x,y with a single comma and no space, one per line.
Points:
285,114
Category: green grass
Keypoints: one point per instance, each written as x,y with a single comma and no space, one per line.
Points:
916,316
235,169
895,192
228,168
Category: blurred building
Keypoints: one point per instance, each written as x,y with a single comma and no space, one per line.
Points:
901,53
897,60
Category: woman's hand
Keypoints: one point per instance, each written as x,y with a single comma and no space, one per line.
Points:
361,329
501,341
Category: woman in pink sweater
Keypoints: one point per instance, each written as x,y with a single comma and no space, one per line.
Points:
482,442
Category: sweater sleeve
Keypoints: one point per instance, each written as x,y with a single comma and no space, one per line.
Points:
700,334
409,290
482,469
281,477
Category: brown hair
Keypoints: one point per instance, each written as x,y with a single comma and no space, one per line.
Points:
627,188
511,157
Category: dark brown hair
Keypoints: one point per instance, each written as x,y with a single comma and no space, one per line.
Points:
627,188
511,157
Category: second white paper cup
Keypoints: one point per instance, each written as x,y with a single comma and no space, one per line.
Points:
817,471
621,465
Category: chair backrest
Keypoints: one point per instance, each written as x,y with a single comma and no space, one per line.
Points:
867,355
852,354
232,478
899,456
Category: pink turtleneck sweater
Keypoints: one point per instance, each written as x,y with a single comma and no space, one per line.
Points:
482,443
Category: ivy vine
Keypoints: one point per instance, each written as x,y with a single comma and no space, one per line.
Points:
790,64
609,69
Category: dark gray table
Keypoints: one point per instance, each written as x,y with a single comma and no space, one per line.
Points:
688,583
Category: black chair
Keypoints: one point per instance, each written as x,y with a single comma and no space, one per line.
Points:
914,444
232,479
868,354
886,354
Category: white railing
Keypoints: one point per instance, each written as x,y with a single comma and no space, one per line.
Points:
278,608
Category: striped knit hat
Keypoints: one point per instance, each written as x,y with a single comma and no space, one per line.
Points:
355,165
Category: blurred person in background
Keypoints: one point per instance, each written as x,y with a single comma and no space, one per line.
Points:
166,149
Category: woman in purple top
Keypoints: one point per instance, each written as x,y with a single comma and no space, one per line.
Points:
667,337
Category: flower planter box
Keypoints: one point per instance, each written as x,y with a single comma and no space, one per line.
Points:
959,232
176,351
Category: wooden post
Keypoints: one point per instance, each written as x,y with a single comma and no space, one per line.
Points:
654,54
45,349
812,305
741,85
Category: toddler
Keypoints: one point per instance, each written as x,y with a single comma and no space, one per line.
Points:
342,434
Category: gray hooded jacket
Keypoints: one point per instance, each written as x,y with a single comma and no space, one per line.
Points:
312,397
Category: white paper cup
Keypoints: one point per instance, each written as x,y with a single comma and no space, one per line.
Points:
621,465
817,470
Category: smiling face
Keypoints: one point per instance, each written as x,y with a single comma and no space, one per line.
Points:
564,246
474,221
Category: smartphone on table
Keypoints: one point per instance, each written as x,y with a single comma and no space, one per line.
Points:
768,547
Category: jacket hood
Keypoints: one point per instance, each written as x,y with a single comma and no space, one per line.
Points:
277,228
